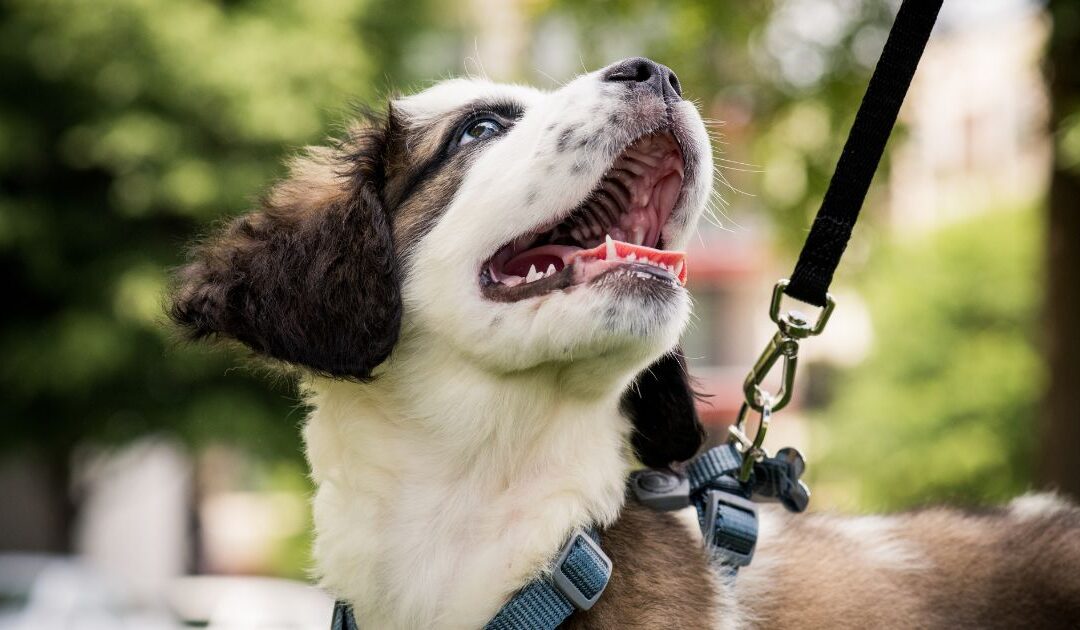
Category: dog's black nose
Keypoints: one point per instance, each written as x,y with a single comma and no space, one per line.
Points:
658,77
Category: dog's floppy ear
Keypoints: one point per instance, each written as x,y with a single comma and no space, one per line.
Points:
661,405
310,278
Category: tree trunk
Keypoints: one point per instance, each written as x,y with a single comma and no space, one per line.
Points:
1060,457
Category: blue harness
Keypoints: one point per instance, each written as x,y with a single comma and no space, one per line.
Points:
582,570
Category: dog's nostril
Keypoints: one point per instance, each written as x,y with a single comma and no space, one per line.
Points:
673,81
633,70
639,70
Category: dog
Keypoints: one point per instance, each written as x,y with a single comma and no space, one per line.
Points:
481,290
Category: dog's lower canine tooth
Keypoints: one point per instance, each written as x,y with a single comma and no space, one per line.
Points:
610,251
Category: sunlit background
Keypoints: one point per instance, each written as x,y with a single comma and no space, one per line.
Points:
127,127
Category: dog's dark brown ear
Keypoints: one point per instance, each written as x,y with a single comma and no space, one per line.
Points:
310,278
661,405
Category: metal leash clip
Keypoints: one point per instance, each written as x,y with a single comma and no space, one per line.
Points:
793,327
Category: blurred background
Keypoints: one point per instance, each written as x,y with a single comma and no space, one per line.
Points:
130,462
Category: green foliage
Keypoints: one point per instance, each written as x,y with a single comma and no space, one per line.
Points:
945,407
126,127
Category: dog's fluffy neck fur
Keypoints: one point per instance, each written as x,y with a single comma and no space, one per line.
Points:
443,486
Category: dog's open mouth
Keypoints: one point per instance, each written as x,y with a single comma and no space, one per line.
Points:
616,228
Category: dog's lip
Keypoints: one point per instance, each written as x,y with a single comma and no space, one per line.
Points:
629,207
588,265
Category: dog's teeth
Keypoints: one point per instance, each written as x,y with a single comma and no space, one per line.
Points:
610,250
550,270
533,274
678,268
631,257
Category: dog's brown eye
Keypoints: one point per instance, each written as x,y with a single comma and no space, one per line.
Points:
479,130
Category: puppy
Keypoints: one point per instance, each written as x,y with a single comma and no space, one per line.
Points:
482,293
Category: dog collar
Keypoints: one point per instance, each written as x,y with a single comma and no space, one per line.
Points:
578,578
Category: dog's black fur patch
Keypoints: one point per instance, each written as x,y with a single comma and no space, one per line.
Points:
661,404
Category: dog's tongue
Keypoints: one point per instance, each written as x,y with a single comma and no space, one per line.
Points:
618,250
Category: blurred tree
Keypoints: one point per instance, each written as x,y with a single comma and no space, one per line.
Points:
942,409
1060,456
126,126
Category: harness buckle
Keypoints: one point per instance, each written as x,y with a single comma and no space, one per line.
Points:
582,570
730,527
660,490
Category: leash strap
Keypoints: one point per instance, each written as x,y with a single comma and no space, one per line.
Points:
862,152
580,574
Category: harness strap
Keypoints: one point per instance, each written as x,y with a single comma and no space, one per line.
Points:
578,578
728,519
580,574
862,152
710,466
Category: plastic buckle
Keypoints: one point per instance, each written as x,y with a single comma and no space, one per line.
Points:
565,584
739,527
660,490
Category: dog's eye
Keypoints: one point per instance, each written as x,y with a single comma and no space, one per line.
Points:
479,130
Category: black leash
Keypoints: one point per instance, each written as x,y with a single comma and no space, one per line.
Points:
822,251
862,152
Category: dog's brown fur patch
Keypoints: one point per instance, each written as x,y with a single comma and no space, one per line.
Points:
660,577
929,569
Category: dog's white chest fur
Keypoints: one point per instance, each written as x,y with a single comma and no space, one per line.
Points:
431,508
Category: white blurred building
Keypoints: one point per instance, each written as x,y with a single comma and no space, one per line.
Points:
975,118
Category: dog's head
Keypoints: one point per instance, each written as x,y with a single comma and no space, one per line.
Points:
518,228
